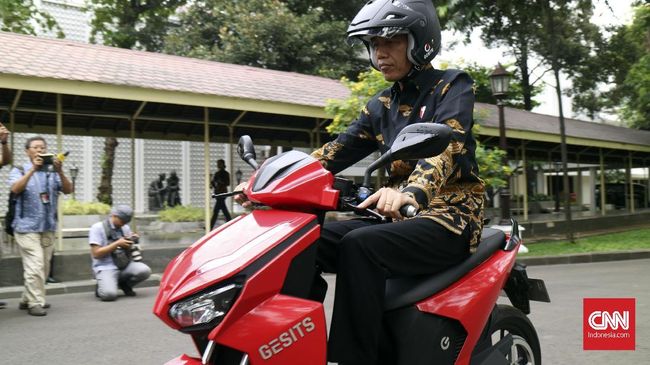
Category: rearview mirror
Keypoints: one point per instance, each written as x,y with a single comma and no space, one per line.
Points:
414,142
246,150
420,140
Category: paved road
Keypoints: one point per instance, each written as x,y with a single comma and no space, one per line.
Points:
81,330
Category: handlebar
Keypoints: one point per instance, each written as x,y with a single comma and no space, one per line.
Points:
408,211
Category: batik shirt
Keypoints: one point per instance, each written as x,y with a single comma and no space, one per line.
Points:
447,187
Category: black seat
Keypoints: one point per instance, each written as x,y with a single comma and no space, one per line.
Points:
404,291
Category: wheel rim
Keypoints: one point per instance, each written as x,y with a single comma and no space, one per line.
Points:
520,352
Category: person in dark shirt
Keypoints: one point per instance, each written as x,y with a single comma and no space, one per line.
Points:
220,182
402,37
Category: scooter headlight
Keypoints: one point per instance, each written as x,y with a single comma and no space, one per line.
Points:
205,308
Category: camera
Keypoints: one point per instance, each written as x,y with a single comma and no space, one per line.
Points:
48,158
136,254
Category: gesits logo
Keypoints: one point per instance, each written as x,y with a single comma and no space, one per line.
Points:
608,324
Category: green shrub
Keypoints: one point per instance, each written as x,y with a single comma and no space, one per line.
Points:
539,198
75,207
182,213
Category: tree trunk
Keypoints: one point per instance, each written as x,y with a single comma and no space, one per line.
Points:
526,87
105,190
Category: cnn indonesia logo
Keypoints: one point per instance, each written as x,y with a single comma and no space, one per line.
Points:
608,324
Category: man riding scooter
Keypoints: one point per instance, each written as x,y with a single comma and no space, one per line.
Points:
402,37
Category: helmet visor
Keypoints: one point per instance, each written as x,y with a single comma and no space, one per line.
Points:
365,35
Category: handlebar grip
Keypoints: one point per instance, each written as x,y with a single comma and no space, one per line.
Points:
408,211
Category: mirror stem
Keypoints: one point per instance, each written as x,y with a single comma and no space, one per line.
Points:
374,166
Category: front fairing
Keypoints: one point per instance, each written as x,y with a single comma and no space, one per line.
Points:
225,253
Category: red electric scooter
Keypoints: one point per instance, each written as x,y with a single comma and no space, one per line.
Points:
246,292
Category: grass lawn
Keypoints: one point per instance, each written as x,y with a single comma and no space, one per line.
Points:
624,241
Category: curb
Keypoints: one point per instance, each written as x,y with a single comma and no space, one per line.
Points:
582,258
69,287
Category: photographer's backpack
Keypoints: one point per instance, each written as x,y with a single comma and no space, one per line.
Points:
11,211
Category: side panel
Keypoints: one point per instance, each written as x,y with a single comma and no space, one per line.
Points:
281,331
422,338
471,299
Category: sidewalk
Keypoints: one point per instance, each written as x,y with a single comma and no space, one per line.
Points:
80,286
68,287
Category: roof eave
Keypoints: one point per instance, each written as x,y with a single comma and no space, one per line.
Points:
125,92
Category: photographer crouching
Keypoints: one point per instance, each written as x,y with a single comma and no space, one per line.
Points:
116,258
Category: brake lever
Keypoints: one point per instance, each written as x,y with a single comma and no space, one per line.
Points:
225,195
367,212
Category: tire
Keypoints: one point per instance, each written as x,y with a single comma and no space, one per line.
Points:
525,349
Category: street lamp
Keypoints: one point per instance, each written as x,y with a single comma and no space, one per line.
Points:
500,82
74,172
238,175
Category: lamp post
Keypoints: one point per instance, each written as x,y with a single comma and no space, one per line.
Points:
500,82
238,176
74,172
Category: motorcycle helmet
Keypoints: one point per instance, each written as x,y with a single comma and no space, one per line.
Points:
388,18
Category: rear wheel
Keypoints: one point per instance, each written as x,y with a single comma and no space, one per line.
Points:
525,349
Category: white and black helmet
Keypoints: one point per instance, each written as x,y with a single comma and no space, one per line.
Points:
387,18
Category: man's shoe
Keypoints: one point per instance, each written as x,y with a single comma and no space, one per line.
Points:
51,280
128,291
3,304
37,310
25,306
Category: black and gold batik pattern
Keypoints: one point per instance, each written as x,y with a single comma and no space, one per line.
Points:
447,187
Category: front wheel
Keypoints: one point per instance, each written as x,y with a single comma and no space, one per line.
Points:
525,349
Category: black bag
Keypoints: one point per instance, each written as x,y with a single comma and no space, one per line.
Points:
121,257
11,211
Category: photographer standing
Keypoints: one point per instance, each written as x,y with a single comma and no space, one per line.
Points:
116,259
36,186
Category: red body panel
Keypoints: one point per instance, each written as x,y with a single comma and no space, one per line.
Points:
307,188
225,252
471,299
282,330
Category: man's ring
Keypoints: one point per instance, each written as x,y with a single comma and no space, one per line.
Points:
388,204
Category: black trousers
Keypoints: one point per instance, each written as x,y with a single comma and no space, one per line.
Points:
364,254
220,205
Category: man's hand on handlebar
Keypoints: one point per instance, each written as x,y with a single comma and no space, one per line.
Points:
241,199
388,202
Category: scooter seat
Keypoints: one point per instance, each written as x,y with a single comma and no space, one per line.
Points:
406,290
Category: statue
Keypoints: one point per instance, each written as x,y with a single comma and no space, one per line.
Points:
157,193
173,190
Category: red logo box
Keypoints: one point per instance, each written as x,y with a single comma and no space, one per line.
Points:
608,323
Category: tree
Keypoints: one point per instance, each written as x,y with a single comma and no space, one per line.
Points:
371,82
483,90
264,33
622,61
132,23
105,190
332,9
20,17
127,24
502,23
565,48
